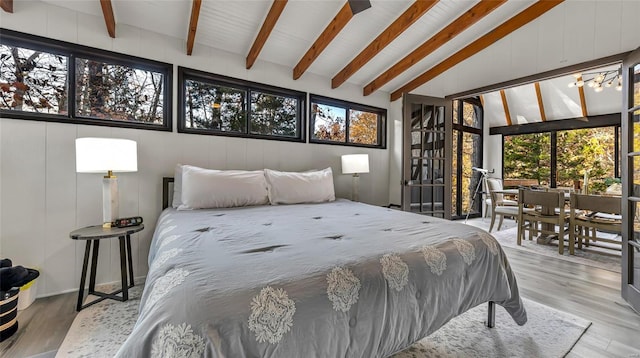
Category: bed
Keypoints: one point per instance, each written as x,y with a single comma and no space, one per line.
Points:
333,279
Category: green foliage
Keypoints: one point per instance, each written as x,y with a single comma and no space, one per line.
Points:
584,150
528,156
580,151
273,115
210,106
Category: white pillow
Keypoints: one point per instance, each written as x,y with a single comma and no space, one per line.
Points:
177,184
177,187
206,188
296,188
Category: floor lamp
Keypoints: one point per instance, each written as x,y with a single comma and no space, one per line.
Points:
355,164
107,155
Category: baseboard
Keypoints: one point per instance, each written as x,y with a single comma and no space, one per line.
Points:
137,279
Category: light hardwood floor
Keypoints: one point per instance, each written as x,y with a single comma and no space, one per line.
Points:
585,291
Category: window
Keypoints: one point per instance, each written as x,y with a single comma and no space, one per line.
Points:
561,158
338,122
528,156
591,150
219,105
44,79
467,154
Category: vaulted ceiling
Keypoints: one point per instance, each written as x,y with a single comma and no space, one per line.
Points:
554,99
394,46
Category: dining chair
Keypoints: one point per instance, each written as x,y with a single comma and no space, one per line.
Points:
539,213
499,205
496,184
591,216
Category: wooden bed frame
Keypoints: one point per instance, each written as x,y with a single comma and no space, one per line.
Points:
167,195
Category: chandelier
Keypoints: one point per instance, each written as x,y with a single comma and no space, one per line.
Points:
598,80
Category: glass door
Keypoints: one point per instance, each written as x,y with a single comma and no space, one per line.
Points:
631,180
427,156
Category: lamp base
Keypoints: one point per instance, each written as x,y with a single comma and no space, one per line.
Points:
109,200
354,187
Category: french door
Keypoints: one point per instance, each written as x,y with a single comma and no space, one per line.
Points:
427,153
631,180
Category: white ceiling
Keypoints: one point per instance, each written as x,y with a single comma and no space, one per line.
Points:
573,32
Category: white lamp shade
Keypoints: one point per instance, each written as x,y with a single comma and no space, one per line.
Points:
355,163
99,155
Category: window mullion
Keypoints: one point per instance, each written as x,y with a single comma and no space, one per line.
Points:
247,111
71,83
347,124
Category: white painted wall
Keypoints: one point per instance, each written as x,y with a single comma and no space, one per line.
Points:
395,152
42,198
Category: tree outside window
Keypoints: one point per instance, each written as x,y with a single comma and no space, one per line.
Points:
579,151
363,127
339,122
273,114
209,106
44,79
329,122
33,81
528,156
117,92
218,105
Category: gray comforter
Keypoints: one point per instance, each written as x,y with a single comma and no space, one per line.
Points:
338,279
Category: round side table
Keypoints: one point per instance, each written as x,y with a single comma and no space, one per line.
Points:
93,235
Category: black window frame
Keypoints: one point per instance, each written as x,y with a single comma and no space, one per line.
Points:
553,147
459,129
74,51
185,74
348,106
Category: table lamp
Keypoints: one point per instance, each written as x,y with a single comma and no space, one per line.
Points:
107,155
355,164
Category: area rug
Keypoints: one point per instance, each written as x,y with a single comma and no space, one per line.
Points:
592,256
99,330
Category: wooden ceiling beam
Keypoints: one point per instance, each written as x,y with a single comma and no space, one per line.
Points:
505,105
330,32
7,5
109,19
583,100
524,17
267,26
193,25
403,22
464,21
543,115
